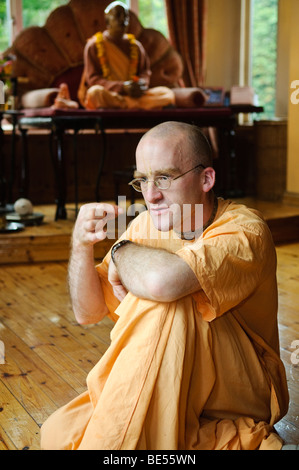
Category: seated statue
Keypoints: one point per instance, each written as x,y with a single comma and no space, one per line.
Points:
117,69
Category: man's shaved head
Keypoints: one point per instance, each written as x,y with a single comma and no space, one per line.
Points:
197,143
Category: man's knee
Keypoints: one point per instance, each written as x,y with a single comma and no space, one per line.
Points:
64,429
95,97
98,97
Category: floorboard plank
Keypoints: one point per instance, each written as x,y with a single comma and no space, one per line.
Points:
19,426
5,442
22,358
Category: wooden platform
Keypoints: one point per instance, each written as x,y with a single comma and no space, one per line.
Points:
51,240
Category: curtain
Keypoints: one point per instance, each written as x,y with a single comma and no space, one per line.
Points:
187,34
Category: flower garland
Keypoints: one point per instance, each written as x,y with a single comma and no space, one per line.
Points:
104,62
5,69
6,98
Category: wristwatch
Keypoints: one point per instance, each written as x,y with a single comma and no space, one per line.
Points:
117,246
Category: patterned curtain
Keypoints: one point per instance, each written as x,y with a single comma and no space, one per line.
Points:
187,31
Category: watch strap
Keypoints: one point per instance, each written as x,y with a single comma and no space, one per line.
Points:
117,246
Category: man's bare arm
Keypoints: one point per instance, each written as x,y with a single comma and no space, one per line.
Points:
84,283
152,274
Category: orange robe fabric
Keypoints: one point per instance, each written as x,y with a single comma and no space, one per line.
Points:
202,372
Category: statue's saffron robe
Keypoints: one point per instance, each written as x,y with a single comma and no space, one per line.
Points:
96,91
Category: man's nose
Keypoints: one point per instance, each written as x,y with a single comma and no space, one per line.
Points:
152,193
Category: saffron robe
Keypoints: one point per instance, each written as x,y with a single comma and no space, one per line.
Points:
202,372
96,92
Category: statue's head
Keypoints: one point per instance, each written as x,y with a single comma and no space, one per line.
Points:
117,17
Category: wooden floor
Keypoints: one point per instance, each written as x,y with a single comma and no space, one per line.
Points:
48,355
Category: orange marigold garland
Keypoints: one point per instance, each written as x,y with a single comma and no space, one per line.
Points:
104,62
133,57
101,55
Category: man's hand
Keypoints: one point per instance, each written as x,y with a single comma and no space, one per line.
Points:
91,222
134,88
119,290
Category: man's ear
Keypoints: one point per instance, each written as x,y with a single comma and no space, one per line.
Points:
209,181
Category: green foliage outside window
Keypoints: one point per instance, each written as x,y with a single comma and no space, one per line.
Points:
3,26
264,53
35,12
152,14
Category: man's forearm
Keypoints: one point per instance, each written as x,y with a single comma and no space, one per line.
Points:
154,274
84,283
85,286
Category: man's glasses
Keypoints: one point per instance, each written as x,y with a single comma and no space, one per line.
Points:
160,181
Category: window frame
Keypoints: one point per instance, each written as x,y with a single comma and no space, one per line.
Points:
14,18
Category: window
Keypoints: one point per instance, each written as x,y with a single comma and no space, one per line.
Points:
152,14
4,35
264,53
25,13
35,12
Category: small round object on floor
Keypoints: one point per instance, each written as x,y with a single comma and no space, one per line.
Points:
23,207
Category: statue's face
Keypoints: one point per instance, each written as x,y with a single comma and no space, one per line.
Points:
117,20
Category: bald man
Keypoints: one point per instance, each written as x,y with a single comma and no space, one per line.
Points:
194,360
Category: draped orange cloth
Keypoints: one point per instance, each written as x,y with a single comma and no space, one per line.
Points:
202,372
